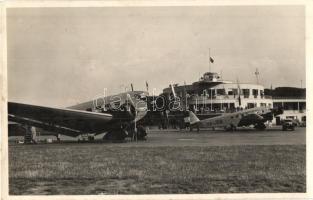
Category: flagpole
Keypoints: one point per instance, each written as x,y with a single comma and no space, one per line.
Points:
209,59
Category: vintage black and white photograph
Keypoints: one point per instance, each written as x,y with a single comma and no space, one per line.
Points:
156,100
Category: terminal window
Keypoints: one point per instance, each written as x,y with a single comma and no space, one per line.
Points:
262,104
262,93
211,92
290,106
251,105
220,91
255,93
277,104
235,91
302,106
246,93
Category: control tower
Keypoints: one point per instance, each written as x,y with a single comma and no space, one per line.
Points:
210,77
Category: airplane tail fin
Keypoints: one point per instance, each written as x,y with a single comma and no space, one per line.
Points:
193,118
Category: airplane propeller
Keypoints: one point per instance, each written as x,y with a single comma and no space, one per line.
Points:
277,111
132,108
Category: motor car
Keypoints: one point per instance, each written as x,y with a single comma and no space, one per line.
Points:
288,124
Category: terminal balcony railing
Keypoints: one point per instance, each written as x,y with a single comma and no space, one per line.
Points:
282,97
231,97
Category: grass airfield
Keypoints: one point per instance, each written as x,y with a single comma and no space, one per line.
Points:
169,162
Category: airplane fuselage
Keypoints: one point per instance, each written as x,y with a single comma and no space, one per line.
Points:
253,116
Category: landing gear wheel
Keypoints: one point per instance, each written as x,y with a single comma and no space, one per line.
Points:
141,133
91,138
115,135
232,128
260,126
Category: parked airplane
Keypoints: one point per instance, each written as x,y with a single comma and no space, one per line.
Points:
118,115
230,121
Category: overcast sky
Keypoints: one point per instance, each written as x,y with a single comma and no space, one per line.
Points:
62,56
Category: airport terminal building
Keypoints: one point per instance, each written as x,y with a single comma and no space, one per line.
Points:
211,94
293,102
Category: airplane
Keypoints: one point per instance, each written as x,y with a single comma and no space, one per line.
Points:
230,121
118,115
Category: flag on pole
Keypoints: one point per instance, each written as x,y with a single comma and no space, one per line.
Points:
147,86
131,85
211,60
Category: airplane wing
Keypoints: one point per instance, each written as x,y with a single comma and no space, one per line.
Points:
66,121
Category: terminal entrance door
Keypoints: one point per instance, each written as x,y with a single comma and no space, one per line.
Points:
278,121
